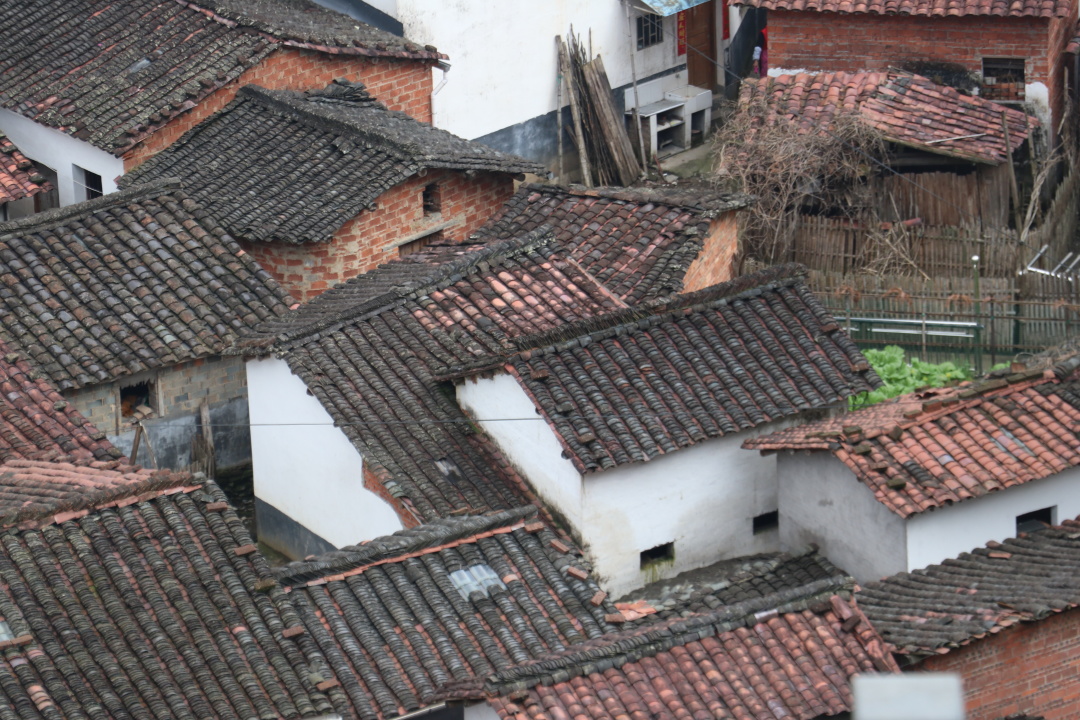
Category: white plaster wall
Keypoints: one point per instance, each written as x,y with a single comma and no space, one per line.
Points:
481,711
61,153
702,498
504,57
822,502
508,416
304,466
946,532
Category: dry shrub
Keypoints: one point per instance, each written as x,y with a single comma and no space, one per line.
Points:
791,172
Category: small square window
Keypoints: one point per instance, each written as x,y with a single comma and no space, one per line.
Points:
766,521
659,554
432,199
135,399
1036,519
1003,79
87,184
650,31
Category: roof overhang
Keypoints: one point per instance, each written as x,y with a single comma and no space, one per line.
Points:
664,7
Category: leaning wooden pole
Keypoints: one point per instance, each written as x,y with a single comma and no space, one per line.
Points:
1012,174
575,113
559,103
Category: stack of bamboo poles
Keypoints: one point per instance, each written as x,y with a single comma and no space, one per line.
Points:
607,157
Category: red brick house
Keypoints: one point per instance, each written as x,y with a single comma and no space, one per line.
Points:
1002,616
1013,50
134,76
321,186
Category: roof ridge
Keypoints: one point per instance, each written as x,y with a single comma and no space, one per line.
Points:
317,115
441,273
214,10
617,649
646,315
55,216
431,535
663,196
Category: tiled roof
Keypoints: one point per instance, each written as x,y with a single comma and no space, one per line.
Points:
906,109
394,627
290,167
36,422
152,603
783,656
128,282
638,244
977,594
729,582
32,489
1074,45
18,177
369,359
632,386
927,8
938,447
94,81
304,23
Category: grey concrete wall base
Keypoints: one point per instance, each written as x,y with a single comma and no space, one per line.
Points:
536,138
171,437
288,537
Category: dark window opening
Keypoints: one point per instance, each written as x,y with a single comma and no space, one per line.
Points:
133,397
1035,520
650,31
1003,79
87,184
658,554
766,521
432,199
419,244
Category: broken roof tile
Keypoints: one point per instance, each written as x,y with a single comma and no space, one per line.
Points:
906,109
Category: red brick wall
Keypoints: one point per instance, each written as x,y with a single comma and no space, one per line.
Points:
1029,668
368,240
715,264
400,84
854,42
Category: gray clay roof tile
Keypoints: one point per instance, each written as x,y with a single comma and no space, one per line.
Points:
127,282
294,167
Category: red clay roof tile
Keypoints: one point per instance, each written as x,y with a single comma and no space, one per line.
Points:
926,8
18,177
925,453
906,109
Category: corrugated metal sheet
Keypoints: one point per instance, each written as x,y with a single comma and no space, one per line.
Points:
667,7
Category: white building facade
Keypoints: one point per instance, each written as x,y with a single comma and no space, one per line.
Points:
639,522
822,502
294,442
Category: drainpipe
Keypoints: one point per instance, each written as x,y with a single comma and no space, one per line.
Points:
445,67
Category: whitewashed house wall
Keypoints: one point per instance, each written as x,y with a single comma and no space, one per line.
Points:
294,438
702,498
